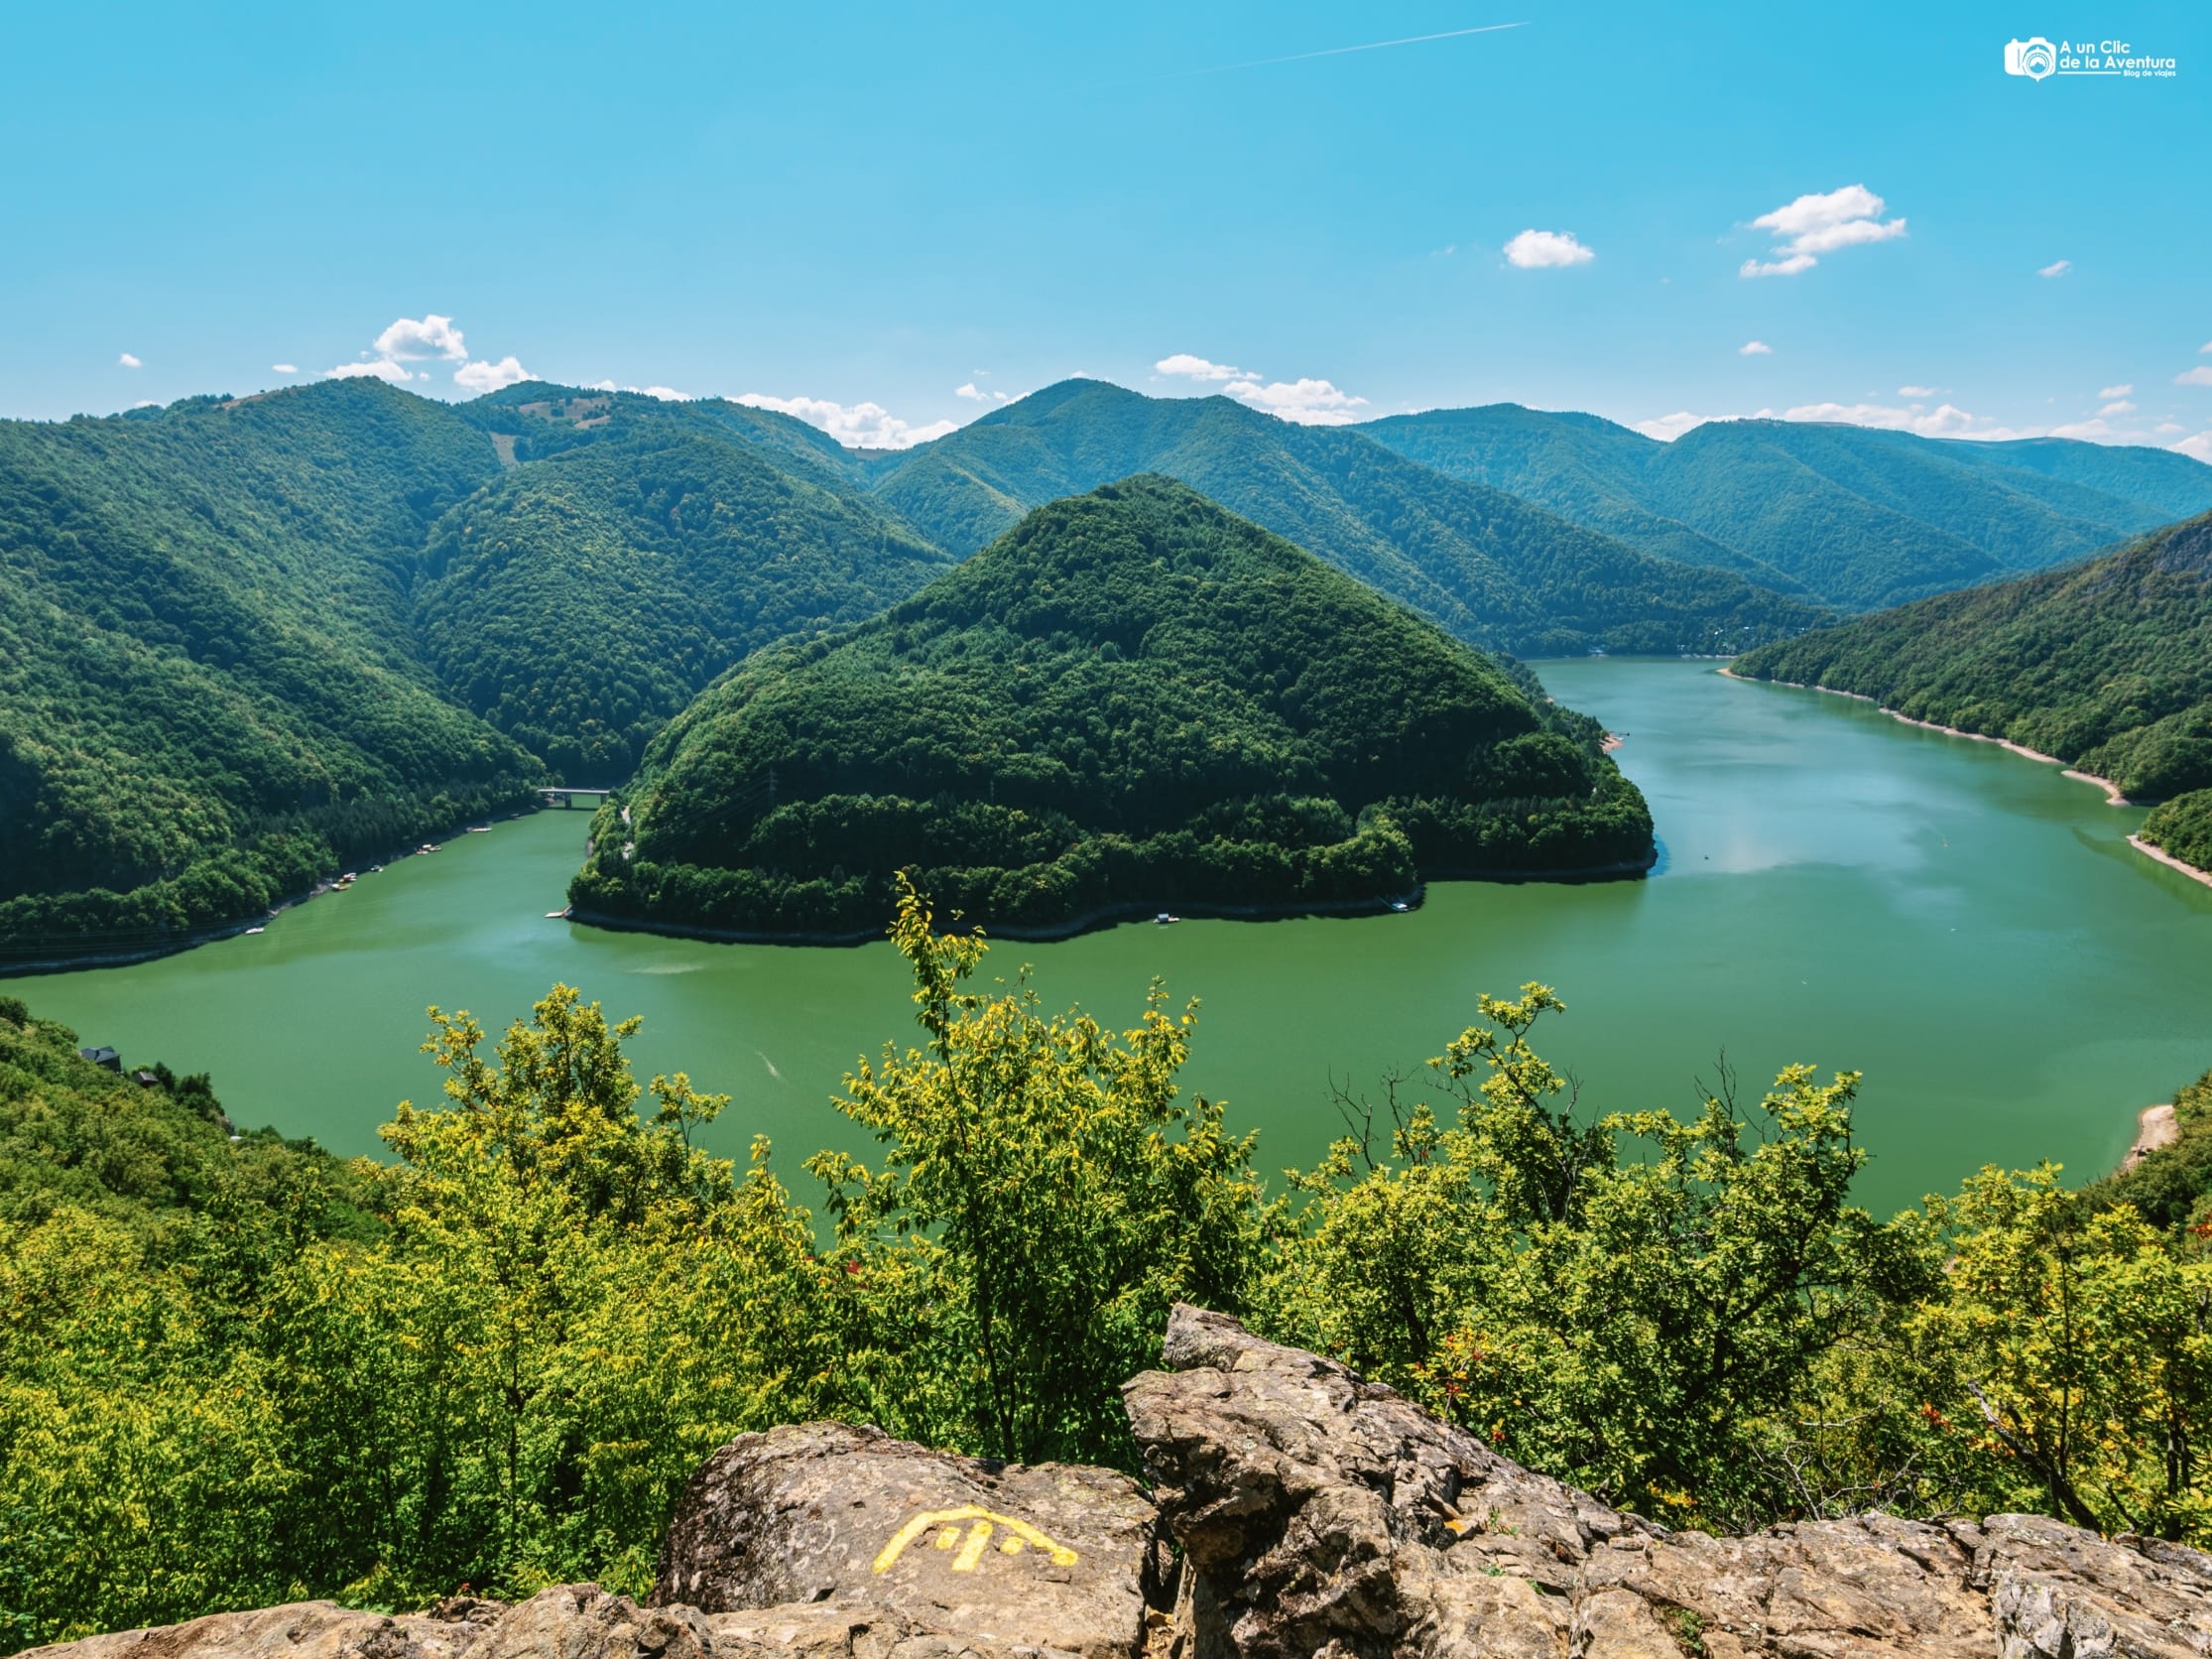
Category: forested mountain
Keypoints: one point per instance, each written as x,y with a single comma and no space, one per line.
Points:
2107,664
1851,516
1489,567
581,600
1133,700
207,696
243,641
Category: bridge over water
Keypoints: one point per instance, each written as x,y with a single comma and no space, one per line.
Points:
564,797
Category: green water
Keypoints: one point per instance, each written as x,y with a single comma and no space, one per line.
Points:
1967,927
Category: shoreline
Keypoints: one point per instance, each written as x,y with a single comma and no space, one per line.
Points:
2162,855
1109,915
172,945
2156,1127
2113,797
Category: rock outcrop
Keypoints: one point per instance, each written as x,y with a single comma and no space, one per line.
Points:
1006,1557
1302,1513
1319,1514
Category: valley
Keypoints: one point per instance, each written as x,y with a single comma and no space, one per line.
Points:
1834,887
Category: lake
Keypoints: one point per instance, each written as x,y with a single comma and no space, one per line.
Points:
1967,927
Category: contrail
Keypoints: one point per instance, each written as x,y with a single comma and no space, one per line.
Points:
1340,50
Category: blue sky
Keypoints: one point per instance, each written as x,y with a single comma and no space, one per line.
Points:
863,210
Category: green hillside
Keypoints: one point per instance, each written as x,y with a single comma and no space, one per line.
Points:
2107,664
207,696
1133,700
2183,826
1850,516
1489,567
584,597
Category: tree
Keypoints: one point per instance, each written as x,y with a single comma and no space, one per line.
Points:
1043,1195
2073,1355
1622,1301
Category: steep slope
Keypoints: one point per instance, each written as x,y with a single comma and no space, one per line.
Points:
208,695
1852,516
1489,567
2107,664
1133,700
1582,467
582,598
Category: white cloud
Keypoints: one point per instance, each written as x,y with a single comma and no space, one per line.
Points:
1198,368
1915,391
1820,223
2200,446
976,395
377,368
1534,250
490,377
1312,403
2117,392
2195,377
284,368
2122,407
127,362
1755,348
2057,268
2206,346
866,426
410,340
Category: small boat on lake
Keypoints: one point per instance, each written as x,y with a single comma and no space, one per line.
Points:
1400,906
257,930
1166,919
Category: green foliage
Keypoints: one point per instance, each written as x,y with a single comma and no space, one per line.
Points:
584,599
1848,516
205,696
2107,664
222,1384
1492,570
2072,1351
2183,826
1627,1301
235,1371
1132,700
1043,1199
2171,1187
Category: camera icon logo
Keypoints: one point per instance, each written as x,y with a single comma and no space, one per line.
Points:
2033,58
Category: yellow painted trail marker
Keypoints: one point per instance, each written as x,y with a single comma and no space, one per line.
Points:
985,1523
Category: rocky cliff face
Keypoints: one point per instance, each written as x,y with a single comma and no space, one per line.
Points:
1295,1511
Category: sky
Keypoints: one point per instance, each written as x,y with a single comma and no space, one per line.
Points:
890,218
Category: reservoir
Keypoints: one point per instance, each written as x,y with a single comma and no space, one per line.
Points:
1968,929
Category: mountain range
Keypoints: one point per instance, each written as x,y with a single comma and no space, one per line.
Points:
1846,516
244,641
2105,665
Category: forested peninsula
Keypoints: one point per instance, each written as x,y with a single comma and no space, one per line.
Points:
2105,665
1134,701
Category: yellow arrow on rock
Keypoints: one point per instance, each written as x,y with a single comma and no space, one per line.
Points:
1019,1536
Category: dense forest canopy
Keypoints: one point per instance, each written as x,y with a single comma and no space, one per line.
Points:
239,1371
2107,664
1134,699
581,600
1489,567
245,642
207,697
1847,516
